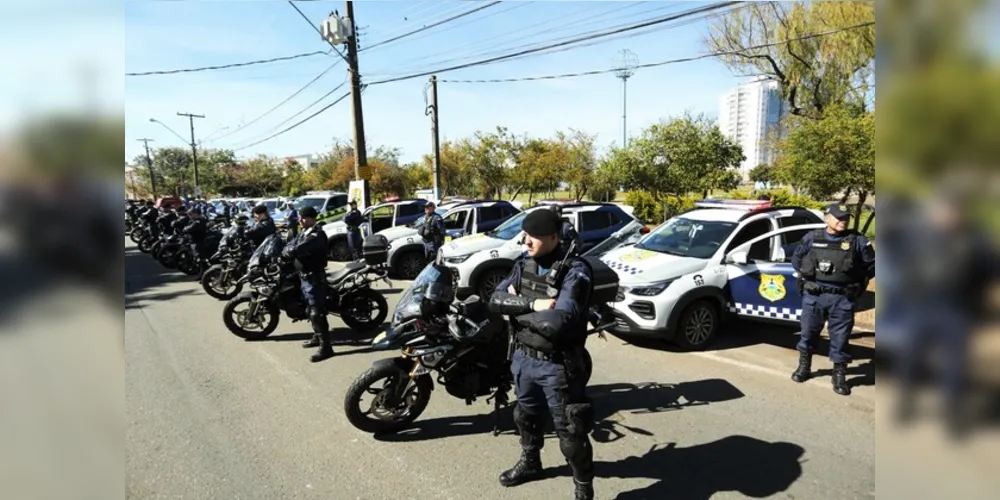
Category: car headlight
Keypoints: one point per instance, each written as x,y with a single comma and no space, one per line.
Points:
457,259
650,290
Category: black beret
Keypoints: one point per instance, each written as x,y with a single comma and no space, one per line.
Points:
542,223
195,211
308,212
260,209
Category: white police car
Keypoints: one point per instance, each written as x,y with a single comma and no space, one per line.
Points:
376,218
406,247
724,257
481,261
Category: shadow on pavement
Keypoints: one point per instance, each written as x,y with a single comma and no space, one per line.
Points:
144,275
740,464
339,337
610,402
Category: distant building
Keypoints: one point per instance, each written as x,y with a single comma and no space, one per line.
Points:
748,114
307,161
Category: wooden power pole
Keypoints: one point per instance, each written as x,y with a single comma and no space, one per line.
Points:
360,152
432,110
149,167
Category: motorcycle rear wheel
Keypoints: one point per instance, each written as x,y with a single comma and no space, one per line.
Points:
416,398
357,308
230,317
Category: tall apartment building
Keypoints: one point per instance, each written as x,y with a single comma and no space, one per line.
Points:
747,114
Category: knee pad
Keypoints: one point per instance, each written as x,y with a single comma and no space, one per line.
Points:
579,419
318,320
527,422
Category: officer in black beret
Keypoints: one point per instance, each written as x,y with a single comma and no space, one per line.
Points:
263,226
308,251
549,318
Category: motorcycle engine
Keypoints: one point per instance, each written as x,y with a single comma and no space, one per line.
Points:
465,381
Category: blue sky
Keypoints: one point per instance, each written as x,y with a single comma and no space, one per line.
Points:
172,35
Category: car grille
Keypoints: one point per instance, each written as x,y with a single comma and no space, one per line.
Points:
621,294
644,309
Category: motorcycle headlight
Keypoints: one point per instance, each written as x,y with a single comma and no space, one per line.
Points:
457,259
650,290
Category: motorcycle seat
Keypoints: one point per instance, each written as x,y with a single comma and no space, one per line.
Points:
350,268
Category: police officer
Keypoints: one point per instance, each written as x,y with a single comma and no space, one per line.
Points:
353,220
834,265
263,226
293,219
181,221
166,220
308,252
567,232
197,229
432,231
550,323
225,213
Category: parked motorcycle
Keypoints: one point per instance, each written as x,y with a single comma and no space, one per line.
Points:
468,347
254,314
229,263
193,259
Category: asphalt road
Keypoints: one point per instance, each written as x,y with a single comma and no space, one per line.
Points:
212,416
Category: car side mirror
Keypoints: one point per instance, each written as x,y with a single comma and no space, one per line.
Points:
738,257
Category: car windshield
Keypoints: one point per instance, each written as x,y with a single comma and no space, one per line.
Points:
316,203
508,230
271,205
688,238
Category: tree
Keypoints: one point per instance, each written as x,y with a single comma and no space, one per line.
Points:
456,171
674,158
604,184
815,72
764,173
833,155
581,161
171,166
294,182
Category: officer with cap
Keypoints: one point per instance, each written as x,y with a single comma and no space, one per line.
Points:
293,219
263,226
181,221
549,317
197,228
432,231
353,220
834,266
308,252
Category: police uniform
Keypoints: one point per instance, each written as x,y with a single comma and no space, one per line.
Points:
353,220
261,230
308,251
568,236
432,231
833,269
293,221
548,367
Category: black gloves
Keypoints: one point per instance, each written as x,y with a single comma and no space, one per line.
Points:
514,305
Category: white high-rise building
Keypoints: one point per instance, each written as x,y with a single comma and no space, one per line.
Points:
748,114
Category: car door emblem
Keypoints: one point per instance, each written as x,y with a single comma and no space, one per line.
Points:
772,286
698,280
494,254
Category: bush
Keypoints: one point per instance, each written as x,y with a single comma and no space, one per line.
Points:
649,211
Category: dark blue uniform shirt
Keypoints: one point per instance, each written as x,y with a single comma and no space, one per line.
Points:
862,247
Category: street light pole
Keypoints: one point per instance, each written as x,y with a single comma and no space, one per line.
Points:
627,62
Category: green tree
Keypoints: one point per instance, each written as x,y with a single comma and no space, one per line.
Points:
834,155
489,154
814,72
674,158
581,161
171,166
456,171
294,181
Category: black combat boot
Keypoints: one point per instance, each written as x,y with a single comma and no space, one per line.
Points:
584,491
313,342
840,379
325,349
803,373
528,468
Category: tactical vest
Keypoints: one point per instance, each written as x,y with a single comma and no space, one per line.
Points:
533,285
831,261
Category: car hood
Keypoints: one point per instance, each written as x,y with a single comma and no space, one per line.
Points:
395,233
471,244
635,265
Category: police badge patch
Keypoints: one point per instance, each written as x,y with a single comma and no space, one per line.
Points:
846,245
772,287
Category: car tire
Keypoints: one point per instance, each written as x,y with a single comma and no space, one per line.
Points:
488,282
339,250
698,325
410,264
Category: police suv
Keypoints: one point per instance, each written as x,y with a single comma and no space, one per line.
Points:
376,218
406,247
328,204
481,261
727,257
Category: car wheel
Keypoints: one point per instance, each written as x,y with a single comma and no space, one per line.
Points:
698,325
410,264
489,281
339,251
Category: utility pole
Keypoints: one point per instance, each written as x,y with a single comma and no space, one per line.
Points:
149,167
360,152
194,151
432,110
626,68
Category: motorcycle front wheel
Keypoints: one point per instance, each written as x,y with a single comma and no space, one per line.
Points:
216,287
250,321
146,244
136,236
188,264
380,417
364,310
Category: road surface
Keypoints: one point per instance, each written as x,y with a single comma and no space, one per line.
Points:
212,416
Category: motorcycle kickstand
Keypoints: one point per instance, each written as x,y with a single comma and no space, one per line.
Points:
499,400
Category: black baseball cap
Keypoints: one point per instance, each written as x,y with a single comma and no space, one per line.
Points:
839,211
308,213
542,223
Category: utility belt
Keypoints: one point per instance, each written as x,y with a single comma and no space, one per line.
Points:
813,288
558,357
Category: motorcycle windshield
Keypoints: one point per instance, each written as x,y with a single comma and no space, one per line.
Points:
227,235
267,251
408,306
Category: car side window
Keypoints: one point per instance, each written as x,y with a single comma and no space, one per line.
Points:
616,218
456,220
758,251
409,210
487,214
595,220
790,239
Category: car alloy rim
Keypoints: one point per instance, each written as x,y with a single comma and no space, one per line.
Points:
699,326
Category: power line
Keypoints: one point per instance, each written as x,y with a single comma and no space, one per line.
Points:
310,117
516,5
672,17
664,63
282,103
313,26
429,26
303,110
414,20
226,66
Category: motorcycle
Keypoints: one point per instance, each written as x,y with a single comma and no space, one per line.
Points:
275,287
221,279
166,250
193,259
469,348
